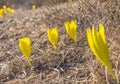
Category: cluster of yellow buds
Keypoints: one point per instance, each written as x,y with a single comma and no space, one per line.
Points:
71,30
96,40
6,10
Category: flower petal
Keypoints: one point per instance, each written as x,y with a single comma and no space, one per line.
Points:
102,32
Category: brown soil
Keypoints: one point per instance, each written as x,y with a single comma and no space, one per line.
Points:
70,63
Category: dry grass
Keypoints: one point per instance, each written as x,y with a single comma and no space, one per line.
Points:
70,63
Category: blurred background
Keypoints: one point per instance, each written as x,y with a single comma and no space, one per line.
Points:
28,3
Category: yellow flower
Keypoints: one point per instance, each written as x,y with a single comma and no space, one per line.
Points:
98,44
53,36
71,28
9,10
4,7
25,47
34,7
12,11
1,13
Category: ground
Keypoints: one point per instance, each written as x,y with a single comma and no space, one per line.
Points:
70,63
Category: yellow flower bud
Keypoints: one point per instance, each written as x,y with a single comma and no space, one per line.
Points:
98,44
34,7
53,36
71,28
25,47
